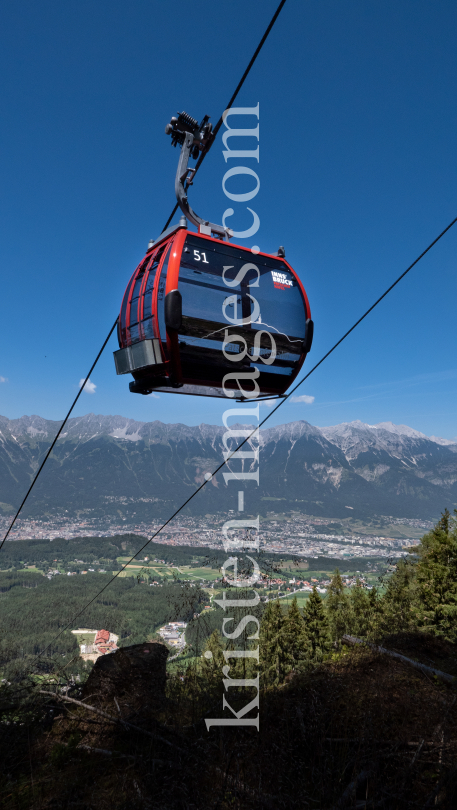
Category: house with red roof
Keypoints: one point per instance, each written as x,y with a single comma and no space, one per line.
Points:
102,637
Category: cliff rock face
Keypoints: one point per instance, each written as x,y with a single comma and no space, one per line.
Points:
110,465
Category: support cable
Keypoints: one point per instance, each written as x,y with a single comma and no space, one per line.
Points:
56,437
221,119
199,162
268,416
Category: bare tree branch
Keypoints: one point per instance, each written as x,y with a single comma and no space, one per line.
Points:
442,676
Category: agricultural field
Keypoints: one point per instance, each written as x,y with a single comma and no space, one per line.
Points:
163,570
302,598
84,637
149,568
209,574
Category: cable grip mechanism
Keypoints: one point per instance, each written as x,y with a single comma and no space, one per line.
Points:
195,139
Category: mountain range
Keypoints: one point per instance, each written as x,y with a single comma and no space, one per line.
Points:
111,464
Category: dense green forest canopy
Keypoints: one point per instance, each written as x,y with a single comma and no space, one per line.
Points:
33,611
17,553
104,550
311,685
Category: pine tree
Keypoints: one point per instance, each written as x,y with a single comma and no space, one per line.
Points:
297,644
397,603
337,607
375,611
213,658
444,523
360,610
243,667
423,592
316,626
273,654
437,578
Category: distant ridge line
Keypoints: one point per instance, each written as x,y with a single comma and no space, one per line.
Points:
27,425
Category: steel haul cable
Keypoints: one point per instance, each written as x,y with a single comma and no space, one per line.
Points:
240,85
268,416
56,437
215,131
223,463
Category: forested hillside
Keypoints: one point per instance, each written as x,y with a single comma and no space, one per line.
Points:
34,610
341,726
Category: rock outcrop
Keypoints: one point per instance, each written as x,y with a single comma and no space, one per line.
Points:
133,676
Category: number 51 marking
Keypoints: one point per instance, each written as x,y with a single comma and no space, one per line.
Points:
198,257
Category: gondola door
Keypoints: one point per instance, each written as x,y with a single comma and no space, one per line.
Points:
169,308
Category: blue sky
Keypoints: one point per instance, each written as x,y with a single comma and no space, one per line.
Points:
358,133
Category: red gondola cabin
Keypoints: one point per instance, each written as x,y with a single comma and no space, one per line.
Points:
198,309
202,316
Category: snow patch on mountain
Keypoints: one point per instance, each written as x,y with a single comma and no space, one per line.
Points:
444,442
400,430
123,433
